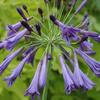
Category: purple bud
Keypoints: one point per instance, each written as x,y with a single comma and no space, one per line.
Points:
53,18
21,13
26,25
12,29
38,28
8,59
40,11
25,8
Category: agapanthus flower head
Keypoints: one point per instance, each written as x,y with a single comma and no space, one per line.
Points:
48,33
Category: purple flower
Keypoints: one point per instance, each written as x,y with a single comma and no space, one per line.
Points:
77,77
68,33
31,57
93,35
87,47
69,83
33,88
11,42
80,79
88,84
93,64
8,59
43,72
17,71
13,29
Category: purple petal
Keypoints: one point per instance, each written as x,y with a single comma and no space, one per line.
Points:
69,83
93,64
87,47
88,84
77,77
80,79
31,58
11,42
33,88
13,29
43,73
9,58
17,71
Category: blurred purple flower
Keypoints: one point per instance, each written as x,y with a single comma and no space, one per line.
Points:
13,29
43,72
8,59
87,47
93,64
11,42
17,71
34,86
69,83
80,79
32,56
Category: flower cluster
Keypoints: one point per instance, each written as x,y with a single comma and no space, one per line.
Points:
50,32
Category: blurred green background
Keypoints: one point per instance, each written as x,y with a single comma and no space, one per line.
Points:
9,15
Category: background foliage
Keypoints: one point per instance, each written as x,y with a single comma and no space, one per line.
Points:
9,15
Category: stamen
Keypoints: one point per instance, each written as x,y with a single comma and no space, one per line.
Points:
38,28
25,24
52,18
